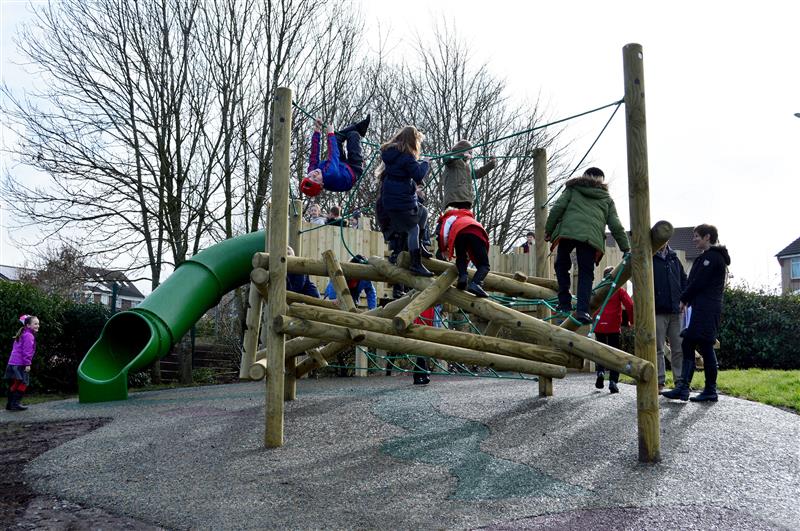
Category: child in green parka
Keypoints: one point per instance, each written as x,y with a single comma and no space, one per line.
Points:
578,221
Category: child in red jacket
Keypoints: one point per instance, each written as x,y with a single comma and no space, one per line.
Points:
609,327
461,233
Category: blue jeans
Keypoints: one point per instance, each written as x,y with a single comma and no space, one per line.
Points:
585,254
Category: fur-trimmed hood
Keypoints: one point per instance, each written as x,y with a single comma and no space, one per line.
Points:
589,182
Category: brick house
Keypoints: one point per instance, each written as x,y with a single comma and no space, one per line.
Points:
789,259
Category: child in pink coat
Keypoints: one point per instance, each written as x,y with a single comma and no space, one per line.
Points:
19,364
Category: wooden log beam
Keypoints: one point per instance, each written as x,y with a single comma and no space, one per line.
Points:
260,277
552,360
528,327
641,250
291,325
278,243
494,281
334,271
252,323
330,351
660,234
542,281
540,245
425,299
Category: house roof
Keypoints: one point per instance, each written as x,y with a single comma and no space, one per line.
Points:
791,249
99,280
681,241
106,279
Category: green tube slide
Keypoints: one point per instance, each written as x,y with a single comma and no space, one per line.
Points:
133,339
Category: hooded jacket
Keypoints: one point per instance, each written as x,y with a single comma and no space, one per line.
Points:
300,283
611,319
455,222
704,292
457,180
669,281
582,212
401,174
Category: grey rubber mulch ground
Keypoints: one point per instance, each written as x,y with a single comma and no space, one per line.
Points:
459,453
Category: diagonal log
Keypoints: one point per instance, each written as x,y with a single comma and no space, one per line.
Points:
425,299
660,234
528,327
551,359
293,325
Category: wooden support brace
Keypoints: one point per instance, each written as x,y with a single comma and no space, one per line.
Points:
252,322
425,299
291,325
529,327
551,360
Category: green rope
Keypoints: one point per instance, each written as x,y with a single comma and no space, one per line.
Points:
610,292
587,152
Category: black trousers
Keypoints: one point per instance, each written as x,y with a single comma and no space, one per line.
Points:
612,340
585,254
706,349
467,244
355,155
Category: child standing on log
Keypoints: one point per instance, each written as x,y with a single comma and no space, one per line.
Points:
461,234
577,222
18,370
335,174
400,172
457,176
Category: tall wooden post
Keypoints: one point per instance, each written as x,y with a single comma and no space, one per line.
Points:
540,220
295,226
642,252
278,241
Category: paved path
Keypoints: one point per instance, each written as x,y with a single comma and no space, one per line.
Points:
459,453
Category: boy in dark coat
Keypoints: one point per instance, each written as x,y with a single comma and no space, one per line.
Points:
704,295
335,174
578,221
300,282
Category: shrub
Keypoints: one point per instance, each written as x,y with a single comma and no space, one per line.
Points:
68,331
759,330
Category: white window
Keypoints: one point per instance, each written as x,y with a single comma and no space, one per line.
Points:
796,267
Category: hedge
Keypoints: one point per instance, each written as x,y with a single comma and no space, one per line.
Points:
67,331
757,331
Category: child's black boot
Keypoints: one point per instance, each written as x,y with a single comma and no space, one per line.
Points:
601,376
463,278
476,286
416,266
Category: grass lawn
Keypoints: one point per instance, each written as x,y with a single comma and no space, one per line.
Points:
775,388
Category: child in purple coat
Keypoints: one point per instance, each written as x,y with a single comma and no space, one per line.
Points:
19,364
333,173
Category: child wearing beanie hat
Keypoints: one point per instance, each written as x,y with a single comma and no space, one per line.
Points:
457,176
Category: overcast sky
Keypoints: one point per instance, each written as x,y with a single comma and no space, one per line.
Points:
722,83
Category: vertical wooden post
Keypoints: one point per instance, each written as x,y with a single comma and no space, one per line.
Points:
295,226
252,322
278,241
540,246
642,252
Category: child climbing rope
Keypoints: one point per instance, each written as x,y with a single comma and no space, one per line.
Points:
334,174
460,231
457,176
400,172
578,221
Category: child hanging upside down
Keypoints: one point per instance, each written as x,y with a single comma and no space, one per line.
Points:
460,231
334,174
